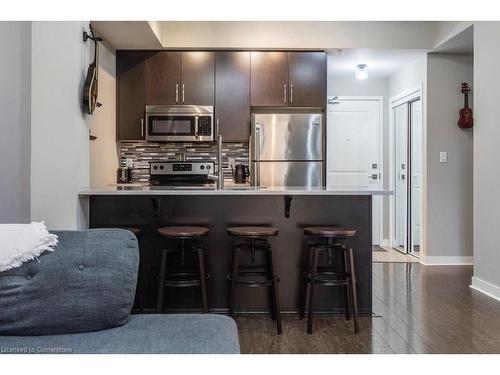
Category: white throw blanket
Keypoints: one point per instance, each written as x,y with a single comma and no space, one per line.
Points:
23,242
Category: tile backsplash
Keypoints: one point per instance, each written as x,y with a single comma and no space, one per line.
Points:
142,153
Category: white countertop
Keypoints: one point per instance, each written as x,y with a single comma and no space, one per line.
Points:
229,190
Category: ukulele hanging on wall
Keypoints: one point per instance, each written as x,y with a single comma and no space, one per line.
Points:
465,120
90,87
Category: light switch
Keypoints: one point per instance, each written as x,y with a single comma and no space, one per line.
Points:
443,157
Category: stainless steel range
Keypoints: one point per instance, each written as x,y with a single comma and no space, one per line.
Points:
182,174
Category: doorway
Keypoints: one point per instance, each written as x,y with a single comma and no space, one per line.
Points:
354,149
406,172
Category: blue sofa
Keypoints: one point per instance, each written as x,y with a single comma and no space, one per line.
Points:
78,298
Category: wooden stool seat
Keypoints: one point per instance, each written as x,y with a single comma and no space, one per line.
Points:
253,231
183,231
337,232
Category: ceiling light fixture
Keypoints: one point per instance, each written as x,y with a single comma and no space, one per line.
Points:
361,71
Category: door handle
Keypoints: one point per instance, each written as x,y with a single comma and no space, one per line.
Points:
284,93
142,128
291,93
183,93
373,176
177,93
196,127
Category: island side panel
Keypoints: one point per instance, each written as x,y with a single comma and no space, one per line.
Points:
219,212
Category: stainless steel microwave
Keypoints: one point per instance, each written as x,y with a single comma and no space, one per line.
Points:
180,123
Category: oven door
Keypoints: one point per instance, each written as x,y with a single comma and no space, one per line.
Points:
172,127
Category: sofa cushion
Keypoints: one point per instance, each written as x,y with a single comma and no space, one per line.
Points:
180,333
87,284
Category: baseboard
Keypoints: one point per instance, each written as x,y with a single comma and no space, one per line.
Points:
485,287
385,242
447,261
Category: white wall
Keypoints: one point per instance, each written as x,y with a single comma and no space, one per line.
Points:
59,130
103,150
449,185
486,158
15,42
316,35
412,75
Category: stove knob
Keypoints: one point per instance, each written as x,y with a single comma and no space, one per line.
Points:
155,167
161,167
208,166
202,167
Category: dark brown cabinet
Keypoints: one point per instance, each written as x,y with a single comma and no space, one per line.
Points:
163,76
269,79
197,78
295,79
307,79
232,95
180,78
232,81
131,94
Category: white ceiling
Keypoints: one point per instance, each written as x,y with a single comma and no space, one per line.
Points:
380,62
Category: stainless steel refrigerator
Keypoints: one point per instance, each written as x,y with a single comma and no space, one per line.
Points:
286,149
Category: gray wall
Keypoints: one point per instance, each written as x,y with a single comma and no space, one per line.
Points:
486,158
15,44
449,185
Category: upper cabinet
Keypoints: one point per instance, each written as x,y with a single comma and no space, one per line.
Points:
131,94
180,78
197,78
232,81
269,79
163,77
307,79
295,79
232,95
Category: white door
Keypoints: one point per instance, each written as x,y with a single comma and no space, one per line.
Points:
354,149
400,116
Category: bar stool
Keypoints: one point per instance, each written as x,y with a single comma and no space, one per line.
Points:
182,277
329,275
138,300
255,239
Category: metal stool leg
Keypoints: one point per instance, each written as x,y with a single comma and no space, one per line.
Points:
275,292
305,282
234,277
161,281
203,285
353,291
314,263
347,305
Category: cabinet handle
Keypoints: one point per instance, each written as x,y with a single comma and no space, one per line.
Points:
177,93
183,93
291,93
284,93
217,127
142,128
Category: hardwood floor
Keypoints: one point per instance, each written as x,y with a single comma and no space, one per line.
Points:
418,309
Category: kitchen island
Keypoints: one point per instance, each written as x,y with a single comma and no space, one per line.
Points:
290,209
